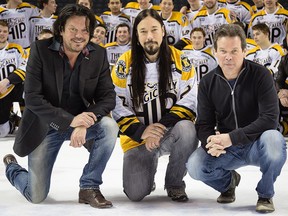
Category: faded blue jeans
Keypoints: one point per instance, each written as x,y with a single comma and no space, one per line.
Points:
34,184
268,153
140,165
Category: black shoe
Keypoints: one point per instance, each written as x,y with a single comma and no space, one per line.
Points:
14,121
229,195
265,205
177,194
8,159
94,197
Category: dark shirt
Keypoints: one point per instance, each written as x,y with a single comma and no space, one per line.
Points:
71,100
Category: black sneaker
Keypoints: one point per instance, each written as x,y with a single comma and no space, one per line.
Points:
177,194
229,195
265,205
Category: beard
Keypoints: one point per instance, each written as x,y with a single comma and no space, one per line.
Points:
151,48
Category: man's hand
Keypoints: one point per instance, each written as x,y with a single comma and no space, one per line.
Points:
4,85
283,97
152,135
152,143
155,130
85,119
233,16
78,137
217,144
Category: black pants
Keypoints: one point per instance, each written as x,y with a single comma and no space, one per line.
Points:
6,103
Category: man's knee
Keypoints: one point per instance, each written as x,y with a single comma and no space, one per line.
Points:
136,195
273,143
186,129
37,198
109,123
194,164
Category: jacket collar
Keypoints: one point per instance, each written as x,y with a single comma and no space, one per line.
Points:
218,70
57,46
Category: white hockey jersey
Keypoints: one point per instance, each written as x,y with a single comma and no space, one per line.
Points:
18,21
202,60
114,51
111,21
132,9
177,27
13,63
277,23
38,23
270,57
211,22
181,101
242,9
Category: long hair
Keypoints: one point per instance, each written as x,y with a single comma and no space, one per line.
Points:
138,62
73,10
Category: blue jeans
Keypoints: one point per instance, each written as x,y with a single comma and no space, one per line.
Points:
268,153
140,165
34,184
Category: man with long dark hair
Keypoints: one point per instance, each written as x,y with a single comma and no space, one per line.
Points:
156,90
68,95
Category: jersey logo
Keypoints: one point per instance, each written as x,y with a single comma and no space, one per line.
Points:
120,69
184,18
186,64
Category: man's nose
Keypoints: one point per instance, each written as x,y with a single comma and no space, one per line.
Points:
228,56
149,35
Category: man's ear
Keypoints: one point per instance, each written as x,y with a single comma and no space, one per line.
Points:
163,31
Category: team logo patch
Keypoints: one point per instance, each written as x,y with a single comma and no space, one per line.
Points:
184,18
120,69
186,64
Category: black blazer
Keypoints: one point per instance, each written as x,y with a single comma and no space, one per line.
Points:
43,90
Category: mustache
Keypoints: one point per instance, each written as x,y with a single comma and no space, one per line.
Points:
150,43
78,40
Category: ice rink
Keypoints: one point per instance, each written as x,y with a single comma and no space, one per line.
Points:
63,196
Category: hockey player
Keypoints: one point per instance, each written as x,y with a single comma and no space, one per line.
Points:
276,17
210,19
155,107
200,56
45,19
121,45
176,24
266,53
12,74
132,9
113,18
17,14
